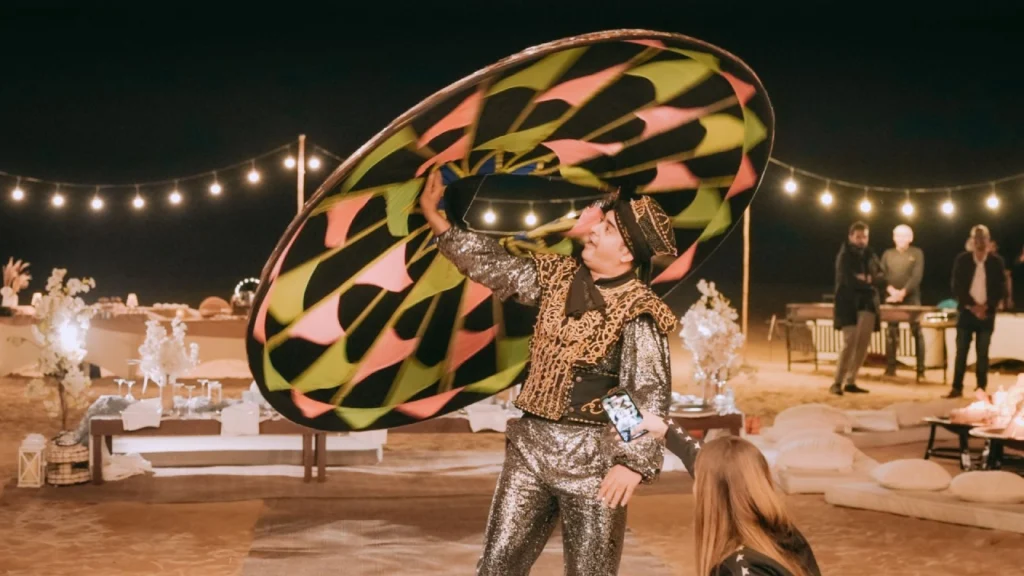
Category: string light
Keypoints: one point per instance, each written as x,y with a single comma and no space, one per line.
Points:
289,162
138,202
993,199
531,217
908,207
948,207
865,206
790,187
175,197
58,199
572,210
313,163
215,188
97,203
490,217
17,194
253,176
826,197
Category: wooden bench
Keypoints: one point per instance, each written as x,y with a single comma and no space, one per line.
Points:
103,430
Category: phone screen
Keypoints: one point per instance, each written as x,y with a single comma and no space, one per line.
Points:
623,413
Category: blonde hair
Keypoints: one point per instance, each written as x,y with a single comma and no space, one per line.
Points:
737,505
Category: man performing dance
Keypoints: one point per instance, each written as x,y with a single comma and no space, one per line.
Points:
599,327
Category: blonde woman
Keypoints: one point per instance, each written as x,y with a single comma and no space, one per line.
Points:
741,526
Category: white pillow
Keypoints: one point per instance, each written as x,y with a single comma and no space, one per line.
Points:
912,474
779,431
989,486
874,420
806,414
816,450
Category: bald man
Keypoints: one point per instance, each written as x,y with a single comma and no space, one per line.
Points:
903,267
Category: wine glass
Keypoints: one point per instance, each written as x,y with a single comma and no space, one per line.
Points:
120,384
177,386
204,383
129,397
191,407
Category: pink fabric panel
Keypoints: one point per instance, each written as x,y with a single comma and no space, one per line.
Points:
572,152
745,178
672,176
744,91
477,293
389,272
577,91
427,407
661,119
679,268
320,324
389,350
454,152
463,115
467,344
339,220
310,408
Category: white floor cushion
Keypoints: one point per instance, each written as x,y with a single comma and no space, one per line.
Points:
991,486
912,474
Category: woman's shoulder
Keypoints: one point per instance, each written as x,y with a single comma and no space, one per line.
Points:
749,562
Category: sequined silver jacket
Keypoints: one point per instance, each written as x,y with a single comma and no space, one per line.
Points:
640,358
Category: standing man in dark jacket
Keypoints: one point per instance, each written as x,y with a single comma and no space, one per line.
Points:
903,269
979,284
858,273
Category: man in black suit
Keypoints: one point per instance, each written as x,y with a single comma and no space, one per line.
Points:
856,312
979,284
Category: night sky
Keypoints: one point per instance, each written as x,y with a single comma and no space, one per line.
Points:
915,99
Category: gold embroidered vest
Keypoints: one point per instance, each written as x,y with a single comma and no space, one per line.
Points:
561,343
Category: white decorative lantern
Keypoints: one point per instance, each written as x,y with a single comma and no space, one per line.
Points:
37,298
133,301
31,464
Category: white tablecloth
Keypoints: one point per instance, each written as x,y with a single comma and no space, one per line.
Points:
1007,342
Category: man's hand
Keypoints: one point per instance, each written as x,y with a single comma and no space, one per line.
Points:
618,486
979,310
862,277
431,196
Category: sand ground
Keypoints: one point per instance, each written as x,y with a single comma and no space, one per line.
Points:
391,522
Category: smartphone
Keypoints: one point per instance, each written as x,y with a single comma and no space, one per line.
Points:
623,413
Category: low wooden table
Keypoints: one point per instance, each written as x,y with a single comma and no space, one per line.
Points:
995,457
703,422
963,453
103,430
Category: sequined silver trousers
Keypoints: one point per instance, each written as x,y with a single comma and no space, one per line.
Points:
552,471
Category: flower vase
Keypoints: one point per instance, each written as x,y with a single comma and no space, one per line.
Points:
713,391
167,397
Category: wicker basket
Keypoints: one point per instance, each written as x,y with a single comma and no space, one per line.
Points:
67,461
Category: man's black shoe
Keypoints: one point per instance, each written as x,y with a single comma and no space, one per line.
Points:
854,389
955,394
836,389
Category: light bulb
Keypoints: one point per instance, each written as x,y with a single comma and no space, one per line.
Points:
17,194
790,187
253,176
289,162
571,214
865,205
57,200
826,198
313,163
138,202
531,219
97,203
992,201
490,217
907,208
947,207
175,197
216,189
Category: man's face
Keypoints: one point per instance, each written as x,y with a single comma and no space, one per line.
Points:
902,237
980,239
859,238
604,248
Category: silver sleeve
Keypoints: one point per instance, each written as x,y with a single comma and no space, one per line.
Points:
645,373
485,261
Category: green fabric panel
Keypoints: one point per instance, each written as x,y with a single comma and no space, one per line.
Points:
564,247
403,138
701,211
580,176
542,74
286,303
724,132
331,369
672,77
413,378
273,380
359,418
718,225
704,58
497,382
522,141
440,276
512,351
755,132
399,200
